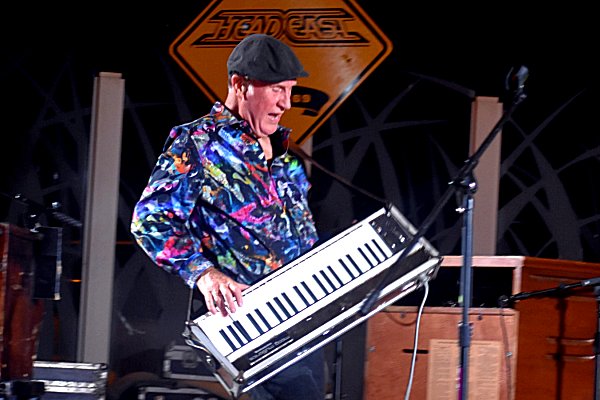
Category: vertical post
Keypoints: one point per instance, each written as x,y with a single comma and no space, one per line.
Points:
485,113
99,235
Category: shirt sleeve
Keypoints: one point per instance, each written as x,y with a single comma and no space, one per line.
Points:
160,218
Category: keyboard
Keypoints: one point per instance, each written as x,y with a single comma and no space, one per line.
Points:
310,301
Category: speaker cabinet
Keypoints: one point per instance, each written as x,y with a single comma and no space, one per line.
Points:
20,313
491,366
557,355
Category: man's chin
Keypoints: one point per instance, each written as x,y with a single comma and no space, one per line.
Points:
269,132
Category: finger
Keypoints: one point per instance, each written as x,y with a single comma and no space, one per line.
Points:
218,302
236,289
234,295
210,303
226,293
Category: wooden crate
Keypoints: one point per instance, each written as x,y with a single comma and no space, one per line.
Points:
390,343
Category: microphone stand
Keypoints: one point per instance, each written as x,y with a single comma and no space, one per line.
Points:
34,209
464,182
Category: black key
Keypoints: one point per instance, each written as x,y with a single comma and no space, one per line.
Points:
316,278
367,259
383,257
327,279
263,319
280,304
356,265
337,278
301,295
279,317
352,274
228,340
286,298
235,335
375,256
256,325
309,292
242,330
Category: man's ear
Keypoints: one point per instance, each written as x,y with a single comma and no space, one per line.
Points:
238,83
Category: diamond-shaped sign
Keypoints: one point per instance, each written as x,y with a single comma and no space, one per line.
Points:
336,41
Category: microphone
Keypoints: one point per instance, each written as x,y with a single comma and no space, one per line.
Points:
515,80
591,282
504,301
561,289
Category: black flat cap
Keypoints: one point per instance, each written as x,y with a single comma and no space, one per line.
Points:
262,57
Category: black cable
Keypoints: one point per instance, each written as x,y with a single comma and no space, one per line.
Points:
302,154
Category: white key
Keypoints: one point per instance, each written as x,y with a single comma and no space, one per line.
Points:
314,287
277,312
235,334
248,326
318,278
269,316
332,281
305,293
340,272
229,339
284,306
281,309
350,267
361,261
295,300
377,251
218,341
258,322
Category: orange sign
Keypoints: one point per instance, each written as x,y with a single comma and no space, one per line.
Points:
336,41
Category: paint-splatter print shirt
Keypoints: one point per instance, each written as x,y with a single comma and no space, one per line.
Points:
212,199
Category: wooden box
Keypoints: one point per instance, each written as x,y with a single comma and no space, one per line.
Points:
390,343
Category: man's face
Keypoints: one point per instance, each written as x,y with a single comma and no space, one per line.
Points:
262,104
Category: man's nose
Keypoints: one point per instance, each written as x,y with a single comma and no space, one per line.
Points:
285,100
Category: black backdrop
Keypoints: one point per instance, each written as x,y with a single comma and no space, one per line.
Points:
401,135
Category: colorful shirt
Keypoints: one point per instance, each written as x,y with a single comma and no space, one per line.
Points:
213,200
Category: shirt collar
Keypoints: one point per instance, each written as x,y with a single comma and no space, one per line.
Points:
279,139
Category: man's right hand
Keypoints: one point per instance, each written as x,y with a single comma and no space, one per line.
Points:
221,293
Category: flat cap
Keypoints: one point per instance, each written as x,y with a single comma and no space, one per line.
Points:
265,58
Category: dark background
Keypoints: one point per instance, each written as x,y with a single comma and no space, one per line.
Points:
402,135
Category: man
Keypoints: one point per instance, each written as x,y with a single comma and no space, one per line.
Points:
226,203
